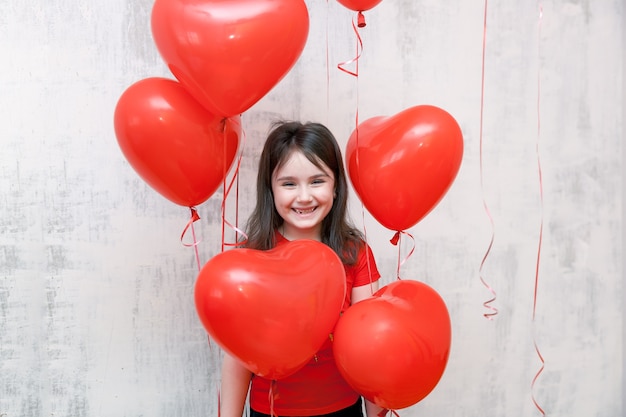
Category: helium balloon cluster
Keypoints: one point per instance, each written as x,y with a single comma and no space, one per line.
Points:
273,310
181,136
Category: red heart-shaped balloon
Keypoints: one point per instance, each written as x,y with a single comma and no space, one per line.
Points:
403,335
401,166
173,143
272,309
229,53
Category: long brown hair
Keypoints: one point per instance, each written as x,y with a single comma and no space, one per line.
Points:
319,146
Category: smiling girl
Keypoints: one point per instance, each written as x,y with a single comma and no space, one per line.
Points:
302,193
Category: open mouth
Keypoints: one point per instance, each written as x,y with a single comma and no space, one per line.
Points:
304,211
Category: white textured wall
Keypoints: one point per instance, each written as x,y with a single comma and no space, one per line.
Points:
96,311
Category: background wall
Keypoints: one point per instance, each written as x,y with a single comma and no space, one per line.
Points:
96,310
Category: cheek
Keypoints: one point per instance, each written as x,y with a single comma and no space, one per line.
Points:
280,198
330,195
275,193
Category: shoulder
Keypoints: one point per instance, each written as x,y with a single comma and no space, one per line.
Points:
363,254
364,271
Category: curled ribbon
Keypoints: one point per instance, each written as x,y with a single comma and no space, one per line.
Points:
532,385
384,412
194,217
541,368
487,304
227,190
359,50
189,226
397,241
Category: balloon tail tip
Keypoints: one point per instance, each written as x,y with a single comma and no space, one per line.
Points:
361,20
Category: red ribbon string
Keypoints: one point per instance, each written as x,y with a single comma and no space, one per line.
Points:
396,240
189,226
219,403
359,50
224,188
367,257
384,412
487,304
227,189
532,385
327,64
355,73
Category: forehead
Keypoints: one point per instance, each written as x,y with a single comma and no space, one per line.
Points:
296,162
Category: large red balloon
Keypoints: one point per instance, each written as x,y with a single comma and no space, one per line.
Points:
272,309
230,53
401,166
175,145
359,5
393,348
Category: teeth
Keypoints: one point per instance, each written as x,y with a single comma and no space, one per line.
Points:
304,211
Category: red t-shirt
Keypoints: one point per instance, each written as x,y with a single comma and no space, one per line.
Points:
318,388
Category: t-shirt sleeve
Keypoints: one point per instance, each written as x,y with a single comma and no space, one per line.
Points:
365,270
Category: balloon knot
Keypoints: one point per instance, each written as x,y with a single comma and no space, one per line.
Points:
396,237
361,20
194,214
194,217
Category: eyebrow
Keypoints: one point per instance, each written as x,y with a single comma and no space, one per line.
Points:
289,177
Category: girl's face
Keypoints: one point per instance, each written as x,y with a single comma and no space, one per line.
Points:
303,196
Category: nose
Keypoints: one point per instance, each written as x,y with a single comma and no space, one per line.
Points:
304,194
